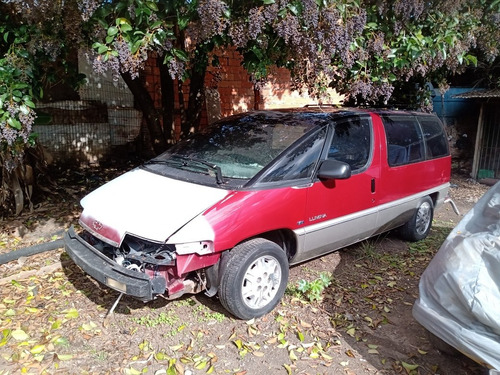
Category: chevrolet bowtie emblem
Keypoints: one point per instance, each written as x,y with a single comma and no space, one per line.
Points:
97,225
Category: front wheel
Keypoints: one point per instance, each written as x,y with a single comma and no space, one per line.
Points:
418,227
254,278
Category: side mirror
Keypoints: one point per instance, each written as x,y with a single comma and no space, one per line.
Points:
334,170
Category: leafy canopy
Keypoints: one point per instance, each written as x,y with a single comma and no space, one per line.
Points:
363,48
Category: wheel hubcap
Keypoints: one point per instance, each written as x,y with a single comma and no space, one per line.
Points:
261,282
423,218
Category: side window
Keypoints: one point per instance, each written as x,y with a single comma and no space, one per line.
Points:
404,140
299,162
351,142
435,137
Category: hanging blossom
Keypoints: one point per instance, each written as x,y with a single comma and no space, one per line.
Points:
88,7
213,18
13,140
124,62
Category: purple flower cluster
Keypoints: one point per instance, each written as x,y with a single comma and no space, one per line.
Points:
370,92
408,9
176,68
212,18
12,138
125,62
88,7
128,62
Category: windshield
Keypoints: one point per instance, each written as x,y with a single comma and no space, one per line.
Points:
240,146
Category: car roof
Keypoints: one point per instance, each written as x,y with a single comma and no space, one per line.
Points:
334,109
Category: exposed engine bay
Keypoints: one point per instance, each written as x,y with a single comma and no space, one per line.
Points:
156,260
135,254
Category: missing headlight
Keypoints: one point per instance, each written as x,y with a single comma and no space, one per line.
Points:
135,253
139,251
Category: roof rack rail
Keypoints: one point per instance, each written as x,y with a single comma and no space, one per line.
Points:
322,105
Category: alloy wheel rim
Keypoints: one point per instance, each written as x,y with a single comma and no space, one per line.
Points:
423,218
261,282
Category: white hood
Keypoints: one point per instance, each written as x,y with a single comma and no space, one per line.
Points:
147,205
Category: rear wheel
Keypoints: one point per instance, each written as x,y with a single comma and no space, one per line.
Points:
418,227
254,278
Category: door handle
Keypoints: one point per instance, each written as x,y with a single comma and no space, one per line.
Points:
373,185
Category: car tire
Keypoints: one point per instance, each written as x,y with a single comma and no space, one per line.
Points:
254,278
418,227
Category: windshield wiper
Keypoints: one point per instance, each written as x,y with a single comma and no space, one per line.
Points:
218,172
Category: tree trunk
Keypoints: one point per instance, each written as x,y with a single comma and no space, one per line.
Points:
151,114
196,98
167,100
182,110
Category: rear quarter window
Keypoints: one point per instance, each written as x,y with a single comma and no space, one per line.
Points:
405,143
435,137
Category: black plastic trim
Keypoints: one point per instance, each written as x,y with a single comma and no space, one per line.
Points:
101,268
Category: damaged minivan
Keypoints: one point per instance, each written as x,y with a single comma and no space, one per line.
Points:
228,210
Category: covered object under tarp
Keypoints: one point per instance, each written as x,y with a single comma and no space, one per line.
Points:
459,298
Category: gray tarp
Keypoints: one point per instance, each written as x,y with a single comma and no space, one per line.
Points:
460,289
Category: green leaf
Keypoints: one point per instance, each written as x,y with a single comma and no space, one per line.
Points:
29,103
64,357
183,21
301,336
409,367
136,46
101,48
180,54
122,21
6,333
201,365
19,335
37,349
268,2
125,27
293,9
132,371
112,31
14,123
471,59
152,5
351,331
238,343
59,340
89,326
10,312
160,356
71,313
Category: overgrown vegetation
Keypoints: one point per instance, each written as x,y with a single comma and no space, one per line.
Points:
373,52
312,290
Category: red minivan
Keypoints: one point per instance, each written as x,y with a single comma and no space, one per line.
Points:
228,210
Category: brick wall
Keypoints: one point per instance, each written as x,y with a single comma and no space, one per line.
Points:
232,90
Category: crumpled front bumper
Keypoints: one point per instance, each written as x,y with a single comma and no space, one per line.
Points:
105,270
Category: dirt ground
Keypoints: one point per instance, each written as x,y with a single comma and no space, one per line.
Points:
53,317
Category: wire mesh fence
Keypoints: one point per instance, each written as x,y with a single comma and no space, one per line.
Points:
91,128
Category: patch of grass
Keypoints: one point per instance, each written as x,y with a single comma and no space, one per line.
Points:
188,302
205,315
369,249
161,319
100,355
431,244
